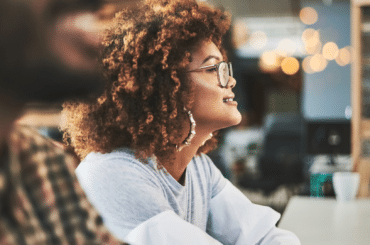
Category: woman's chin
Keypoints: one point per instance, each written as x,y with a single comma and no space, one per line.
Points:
237,119
233,120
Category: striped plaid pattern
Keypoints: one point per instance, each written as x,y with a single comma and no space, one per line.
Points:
41,201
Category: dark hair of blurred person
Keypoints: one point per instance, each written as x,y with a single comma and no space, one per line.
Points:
47,54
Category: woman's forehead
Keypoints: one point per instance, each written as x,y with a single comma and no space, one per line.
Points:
206,52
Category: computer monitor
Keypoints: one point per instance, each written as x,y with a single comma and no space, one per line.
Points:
330,137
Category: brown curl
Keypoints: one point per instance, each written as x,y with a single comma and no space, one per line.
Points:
144,56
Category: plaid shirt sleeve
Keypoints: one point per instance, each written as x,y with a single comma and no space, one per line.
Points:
41,200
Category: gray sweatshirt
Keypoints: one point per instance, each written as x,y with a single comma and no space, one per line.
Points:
129,193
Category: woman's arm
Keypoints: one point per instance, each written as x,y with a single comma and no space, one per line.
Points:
167,228
233,219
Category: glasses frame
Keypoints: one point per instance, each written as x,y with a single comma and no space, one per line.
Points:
229,67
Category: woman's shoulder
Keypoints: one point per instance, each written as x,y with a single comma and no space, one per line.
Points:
202,165
123,189
202,161
122,155
118,163
206,170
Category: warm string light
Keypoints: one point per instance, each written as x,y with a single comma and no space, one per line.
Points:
319,53
318,60
240,34
290,65
269,61
330,51
258,40
318,63
306,66
344,56
272,61
311,40
308,15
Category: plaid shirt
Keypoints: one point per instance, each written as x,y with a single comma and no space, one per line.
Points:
41,201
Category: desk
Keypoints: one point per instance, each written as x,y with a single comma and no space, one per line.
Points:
324,221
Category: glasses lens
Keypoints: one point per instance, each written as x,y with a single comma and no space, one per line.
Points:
231,70
223,74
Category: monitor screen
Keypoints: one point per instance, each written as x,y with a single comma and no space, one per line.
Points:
328,137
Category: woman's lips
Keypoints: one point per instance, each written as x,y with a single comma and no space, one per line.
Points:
230,101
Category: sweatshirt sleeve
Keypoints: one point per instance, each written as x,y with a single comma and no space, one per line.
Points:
167,228
234,219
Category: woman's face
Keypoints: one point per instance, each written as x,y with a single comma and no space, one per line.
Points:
214,107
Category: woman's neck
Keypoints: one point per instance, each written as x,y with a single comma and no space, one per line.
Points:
183,158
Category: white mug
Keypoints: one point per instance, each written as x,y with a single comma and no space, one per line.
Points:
346,185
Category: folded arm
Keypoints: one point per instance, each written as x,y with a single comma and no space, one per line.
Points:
233,219
167,228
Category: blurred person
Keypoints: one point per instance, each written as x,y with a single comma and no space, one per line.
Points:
169,87
47,54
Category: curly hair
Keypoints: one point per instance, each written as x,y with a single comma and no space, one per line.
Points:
143,57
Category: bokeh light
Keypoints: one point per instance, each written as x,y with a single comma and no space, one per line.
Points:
281,53
290,65
269,61
318,63
306,66
239,34
310,36
311,40
258,40
308,15
330,51
314,49
344,56
286,46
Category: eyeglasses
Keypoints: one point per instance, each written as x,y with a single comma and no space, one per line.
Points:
224,72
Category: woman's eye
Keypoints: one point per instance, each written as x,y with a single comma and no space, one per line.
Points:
213,69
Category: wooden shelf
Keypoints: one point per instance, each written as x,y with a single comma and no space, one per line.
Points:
360,41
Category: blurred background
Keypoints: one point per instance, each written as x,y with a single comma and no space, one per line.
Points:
292,61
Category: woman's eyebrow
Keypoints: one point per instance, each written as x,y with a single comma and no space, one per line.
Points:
210,57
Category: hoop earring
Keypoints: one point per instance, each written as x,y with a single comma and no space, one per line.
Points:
191,134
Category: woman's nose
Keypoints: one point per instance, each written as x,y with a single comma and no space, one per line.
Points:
232,82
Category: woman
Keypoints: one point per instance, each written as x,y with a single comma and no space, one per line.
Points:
143,141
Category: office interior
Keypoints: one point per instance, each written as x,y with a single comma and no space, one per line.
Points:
295,64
